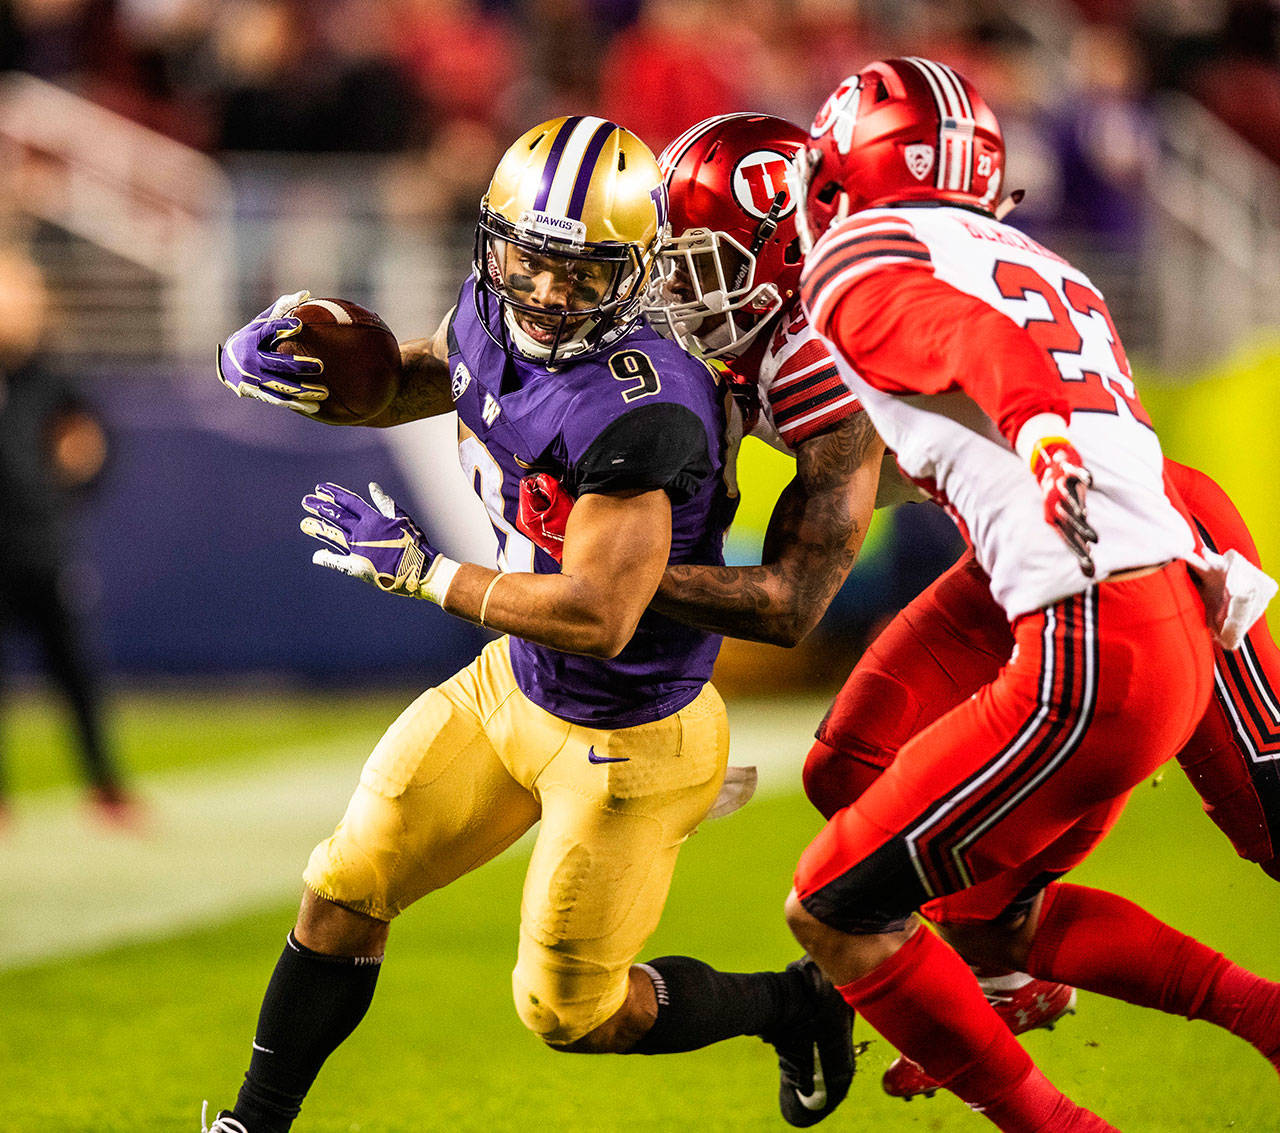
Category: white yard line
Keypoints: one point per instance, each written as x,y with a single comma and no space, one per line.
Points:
215,844
220,844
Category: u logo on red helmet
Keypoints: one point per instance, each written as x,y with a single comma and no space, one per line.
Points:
839,114
757,180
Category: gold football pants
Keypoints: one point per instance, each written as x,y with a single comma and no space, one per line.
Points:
471,765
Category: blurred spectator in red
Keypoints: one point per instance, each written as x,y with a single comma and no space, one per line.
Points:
160,77
462,59
683,60
1240,83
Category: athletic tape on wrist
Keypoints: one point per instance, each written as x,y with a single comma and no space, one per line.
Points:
435,584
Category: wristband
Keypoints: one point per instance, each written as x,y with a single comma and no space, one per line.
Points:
435,583
1035,431
1038,450
484,602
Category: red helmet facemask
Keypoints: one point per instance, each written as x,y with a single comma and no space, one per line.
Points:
900,130
733,257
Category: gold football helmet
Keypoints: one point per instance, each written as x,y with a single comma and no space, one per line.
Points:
568,235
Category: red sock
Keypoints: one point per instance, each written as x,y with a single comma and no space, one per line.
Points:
926,1002
1100,942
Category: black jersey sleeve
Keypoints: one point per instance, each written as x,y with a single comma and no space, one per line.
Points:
651,447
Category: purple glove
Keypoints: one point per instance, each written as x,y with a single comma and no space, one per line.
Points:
376,542
249,365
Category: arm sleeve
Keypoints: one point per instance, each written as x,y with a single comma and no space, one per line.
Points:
807,396
906,331
655,446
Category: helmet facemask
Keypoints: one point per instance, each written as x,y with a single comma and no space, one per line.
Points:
597,288
705,296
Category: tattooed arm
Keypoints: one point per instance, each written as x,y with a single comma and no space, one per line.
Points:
424,380
814,536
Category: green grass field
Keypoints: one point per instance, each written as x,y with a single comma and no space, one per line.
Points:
132,1037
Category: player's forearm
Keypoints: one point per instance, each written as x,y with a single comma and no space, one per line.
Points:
809,549
424,385
762,603
560,611
813,539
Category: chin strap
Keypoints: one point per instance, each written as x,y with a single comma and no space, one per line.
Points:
1011,202
767,228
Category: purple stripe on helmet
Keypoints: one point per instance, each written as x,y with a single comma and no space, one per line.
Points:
553,161
579,199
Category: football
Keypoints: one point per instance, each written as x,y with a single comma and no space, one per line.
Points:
360,354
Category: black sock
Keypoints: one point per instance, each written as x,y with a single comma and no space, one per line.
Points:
312,1004
698,1006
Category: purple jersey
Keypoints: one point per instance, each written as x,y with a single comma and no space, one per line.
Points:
643,415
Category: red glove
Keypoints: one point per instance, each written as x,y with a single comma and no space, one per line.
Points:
544,512
1064,479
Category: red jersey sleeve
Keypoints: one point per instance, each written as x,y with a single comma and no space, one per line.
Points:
1213,516
873,293
806,394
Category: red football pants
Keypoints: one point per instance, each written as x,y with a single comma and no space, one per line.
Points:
1018,783
953,638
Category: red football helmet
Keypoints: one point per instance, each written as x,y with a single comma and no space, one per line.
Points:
733,258
899,130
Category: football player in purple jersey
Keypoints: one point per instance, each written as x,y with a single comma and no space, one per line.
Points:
599,450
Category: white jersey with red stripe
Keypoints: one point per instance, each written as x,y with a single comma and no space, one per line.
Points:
942,437
801,391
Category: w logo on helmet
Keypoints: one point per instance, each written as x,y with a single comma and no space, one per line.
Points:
660,204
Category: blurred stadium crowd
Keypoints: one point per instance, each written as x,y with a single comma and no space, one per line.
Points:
445,83
351,141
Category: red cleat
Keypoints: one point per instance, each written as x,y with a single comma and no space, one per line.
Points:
1024,1003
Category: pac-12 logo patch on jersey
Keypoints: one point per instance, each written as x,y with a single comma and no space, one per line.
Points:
758,178
460,380
919,158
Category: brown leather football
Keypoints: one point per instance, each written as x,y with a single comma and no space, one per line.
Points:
360,354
